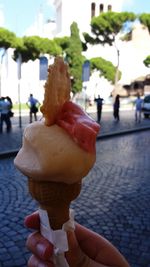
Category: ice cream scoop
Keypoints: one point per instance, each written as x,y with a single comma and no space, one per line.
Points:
50,154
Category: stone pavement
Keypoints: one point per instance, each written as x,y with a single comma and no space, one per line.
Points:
11,142
114,201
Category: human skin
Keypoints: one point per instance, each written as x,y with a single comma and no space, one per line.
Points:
87,248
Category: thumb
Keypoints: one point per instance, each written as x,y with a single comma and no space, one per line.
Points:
75,256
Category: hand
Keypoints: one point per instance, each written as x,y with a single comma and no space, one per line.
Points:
86,248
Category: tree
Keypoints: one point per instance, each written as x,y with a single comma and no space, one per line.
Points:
145,20
30,48
63,42
7,39
50,47
75,58
105,29
147,61
106,68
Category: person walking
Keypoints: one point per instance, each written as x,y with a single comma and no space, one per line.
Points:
99,103
138,108
11,114
33,105
5,107
116,108
1,101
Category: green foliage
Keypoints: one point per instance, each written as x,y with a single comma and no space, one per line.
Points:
145,20
7,38
63,42
29,48
104,30
50,47
89,39
32,47
147,62
75,58
106,26
106,68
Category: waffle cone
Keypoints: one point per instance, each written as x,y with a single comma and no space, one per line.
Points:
55,198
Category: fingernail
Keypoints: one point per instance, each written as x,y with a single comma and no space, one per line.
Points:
42,265
41,249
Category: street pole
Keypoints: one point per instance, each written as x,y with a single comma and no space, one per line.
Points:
86,69
1,62
117,69
19,101
117,73
1,78
19,62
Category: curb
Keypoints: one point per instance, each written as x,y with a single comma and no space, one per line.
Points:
123,132
13,153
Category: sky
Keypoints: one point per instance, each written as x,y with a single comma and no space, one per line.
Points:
136,6
18,16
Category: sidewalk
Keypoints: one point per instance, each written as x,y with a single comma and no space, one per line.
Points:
10,143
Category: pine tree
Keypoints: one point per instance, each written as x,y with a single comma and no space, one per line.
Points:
75,58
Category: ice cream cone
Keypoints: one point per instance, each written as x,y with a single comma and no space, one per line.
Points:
65,137
55,198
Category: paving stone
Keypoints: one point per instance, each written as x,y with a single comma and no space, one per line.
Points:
114,201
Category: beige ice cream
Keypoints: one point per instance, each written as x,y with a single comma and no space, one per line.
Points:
52,160
50,154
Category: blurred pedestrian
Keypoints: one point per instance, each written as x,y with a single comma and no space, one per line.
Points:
11,114
1,101
99,103
116,107
138,108
33,105
4,111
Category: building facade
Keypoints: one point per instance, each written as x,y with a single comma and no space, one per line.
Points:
132,53
81,12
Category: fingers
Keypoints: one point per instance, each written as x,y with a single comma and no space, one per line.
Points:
35,262
75,256
98,248
39,246
42,250
33,221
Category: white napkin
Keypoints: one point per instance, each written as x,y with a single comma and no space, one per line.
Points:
57,237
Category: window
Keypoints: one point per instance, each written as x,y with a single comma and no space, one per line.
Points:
92,9
101,8
109,7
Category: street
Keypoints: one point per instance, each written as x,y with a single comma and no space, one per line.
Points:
13,140
114,201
